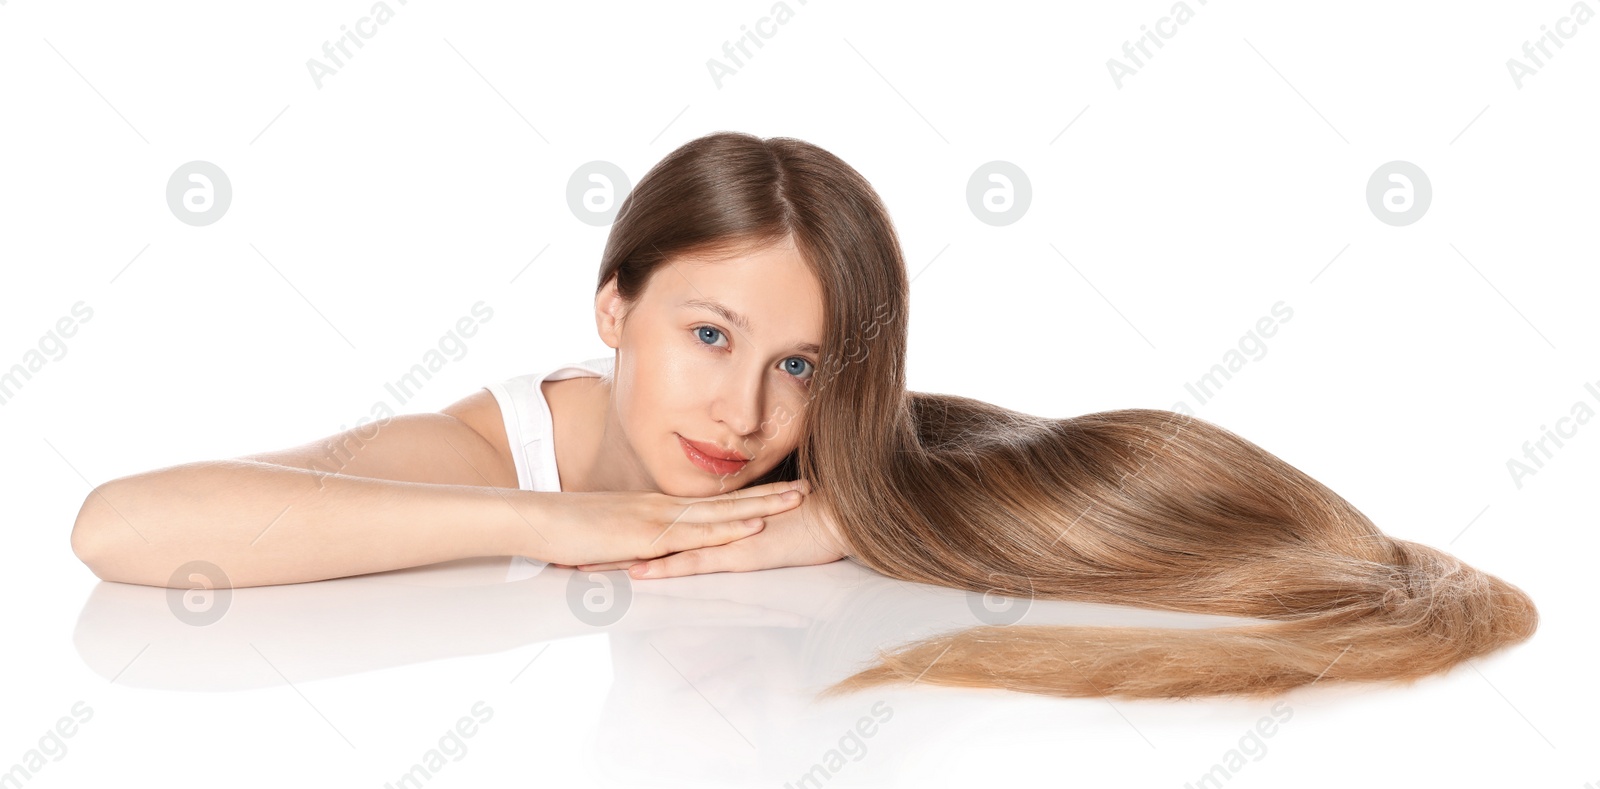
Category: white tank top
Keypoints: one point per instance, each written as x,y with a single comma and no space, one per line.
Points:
531,433
529,429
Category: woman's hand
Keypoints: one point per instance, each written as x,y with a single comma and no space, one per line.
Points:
585,528
794,538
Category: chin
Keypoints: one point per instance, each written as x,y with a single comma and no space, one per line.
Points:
716,486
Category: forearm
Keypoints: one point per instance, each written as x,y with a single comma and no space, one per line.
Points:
270,524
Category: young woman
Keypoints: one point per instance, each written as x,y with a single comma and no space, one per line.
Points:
755,297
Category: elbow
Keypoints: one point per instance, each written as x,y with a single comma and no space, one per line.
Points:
111,546
93,540
87,534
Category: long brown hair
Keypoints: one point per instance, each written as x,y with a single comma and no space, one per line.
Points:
1137,507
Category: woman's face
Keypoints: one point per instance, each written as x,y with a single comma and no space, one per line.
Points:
720,354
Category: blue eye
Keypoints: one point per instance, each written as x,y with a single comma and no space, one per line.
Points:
804,363
699,329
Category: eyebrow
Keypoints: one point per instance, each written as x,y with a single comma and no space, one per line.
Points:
741,321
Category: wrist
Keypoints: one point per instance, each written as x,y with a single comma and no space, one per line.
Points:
827,530
520,527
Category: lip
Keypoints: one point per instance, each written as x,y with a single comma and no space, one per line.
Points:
708,457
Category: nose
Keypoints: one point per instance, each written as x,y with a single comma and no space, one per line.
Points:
738,401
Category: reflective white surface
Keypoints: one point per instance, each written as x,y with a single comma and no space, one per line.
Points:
700,681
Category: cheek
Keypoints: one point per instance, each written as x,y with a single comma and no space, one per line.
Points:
663,378
635,406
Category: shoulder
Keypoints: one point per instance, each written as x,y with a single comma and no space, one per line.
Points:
481,412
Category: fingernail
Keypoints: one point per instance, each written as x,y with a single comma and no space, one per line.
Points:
799,485
791,495
639,571
752,523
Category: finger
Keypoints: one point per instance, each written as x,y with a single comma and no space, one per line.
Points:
682,536
739,493
603,566
713,559
754,491
770,487
724,508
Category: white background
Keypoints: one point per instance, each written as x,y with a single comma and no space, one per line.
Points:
1168,216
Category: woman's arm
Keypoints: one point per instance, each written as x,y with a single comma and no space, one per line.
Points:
416,489
300,520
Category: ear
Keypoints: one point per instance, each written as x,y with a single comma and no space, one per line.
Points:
609,310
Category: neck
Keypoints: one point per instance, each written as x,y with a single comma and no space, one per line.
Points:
592,454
